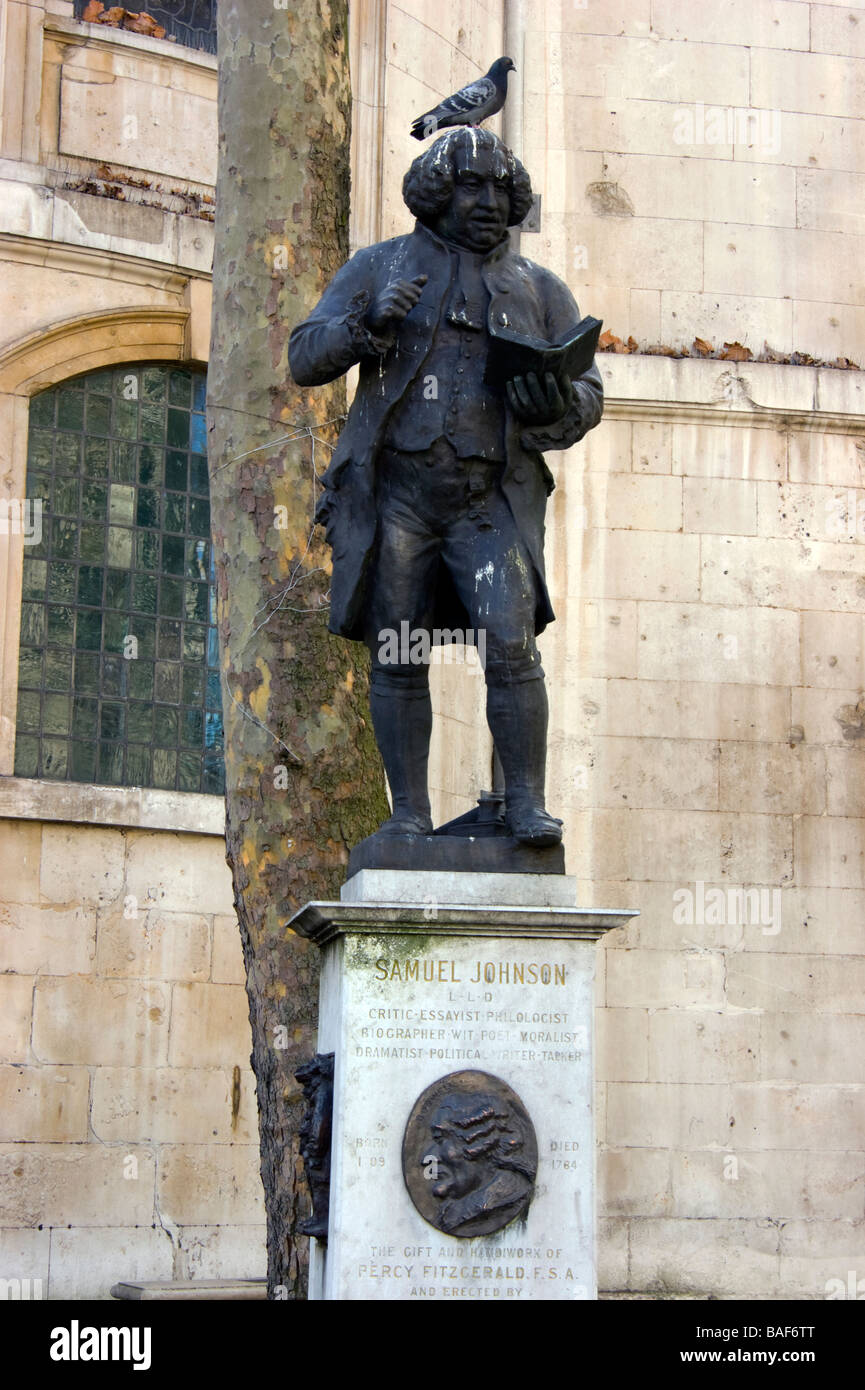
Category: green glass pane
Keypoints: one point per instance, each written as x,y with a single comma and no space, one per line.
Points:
125,382
199,391
175,511
193,642
92,542
87,674
151,423
147,550
109,767
82,762
119,546
192,728
140,723
165,727
177,433
212,647
54,757
175,471
100,383
39,448
197,559
153,382
167,681
150,465
180,388
172,554
164,767
85,716
171,597
96,457
67,453
199,516
115,627
145,630
189,772
98,415
90,578
88,636
141,679
214,691
35,578
26,756
197,602
64,497
125,419
147,510
32,624
62,581
64,538
137,767
61,626
30,666
112,723
198,477
94,501
58,670
42,409
168,646
213,775
28,719
70,410
114,676
193,685
123,461
56,712
116,589
144,593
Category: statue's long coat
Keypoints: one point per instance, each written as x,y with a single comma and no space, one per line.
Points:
523,297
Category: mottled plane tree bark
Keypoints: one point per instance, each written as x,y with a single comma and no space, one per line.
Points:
304,780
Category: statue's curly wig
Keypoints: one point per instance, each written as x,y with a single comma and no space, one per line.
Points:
427,188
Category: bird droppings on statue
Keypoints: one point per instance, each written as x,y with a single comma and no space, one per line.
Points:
470,105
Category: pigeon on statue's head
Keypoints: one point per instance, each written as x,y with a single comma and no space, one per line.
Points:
470,105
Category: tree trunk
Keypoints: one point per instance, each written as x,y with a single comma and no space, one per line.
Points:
304,780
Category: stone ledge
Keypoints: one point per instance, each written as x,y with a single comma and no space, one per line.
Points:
234,1290
143,808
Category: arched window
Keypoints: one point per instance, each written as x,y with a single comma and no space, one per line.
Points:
118,670
190,22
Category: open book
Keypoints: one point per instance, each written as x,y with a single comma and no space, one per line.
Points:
514,354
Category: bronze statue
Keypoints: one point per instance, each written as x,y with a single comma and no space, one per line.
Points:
435,497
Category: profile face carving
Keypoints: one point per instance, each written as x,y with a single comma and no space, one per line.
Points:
470,1154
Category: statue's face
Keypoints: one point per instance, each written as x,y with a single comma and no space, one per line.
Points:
456,1175
478,214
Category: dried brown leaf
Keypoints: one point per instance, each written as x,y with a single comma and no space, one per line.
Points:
735,352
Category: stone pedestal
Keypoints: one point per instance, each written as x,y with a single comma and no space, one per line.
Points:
460,1012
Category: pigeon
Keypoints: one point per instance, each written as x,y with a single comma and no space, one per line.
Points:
470,105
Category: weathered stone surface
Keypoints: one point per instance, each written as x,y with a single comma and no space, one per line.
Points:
86,1261
209,1026
85,1019
44,1104
208,1184
153,944
76,1185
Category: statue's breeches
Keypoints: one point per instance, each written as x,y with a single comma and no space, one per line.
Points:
444,518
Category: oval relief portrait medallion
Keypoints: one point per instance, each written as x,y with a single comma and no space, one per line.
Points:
470,1154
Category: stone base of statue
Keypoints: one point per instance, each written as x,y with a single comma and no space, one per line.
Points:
459,1011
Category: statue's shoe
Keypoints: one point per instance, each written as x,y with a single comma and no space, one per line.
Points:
406,825
532,825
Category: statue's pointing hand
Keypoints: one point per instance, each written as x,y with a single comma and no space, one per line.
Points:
537,402
396,300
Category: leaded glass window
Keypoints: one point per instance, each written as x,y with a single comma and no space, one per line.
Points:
190,22
118,668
